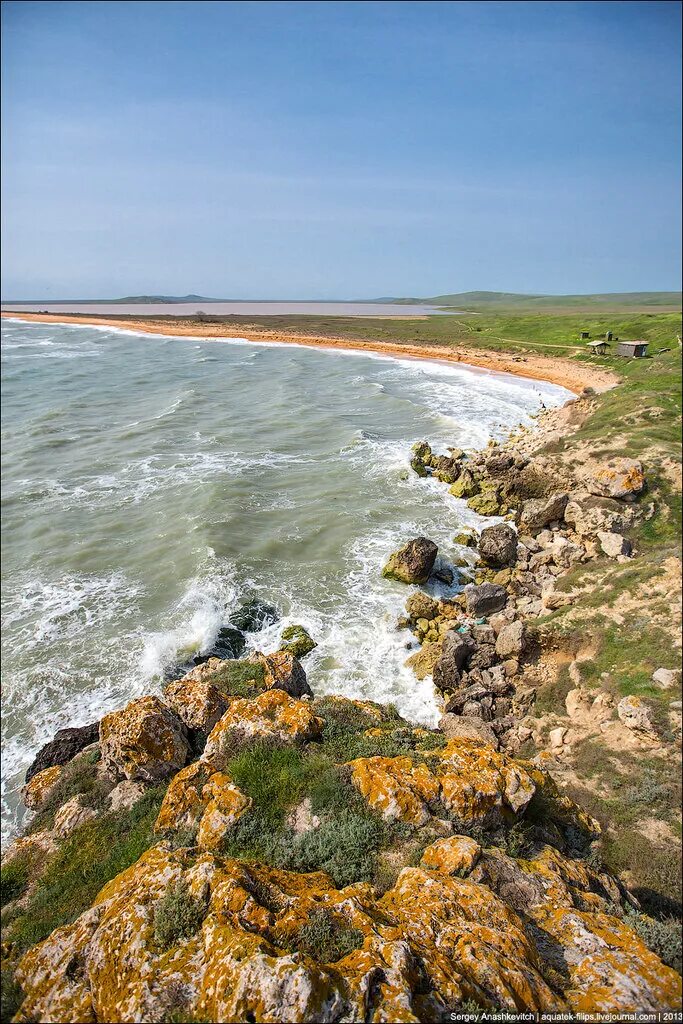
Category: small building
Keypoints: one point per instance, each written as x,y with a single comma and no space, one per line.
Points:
632,349
584,335
598,347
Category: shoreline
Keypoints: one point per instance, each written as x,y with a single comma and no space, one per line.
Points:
554,370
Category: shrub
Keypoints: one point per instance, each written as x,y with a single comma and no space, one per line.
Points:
662,937
344,846
11,995
177,915
239,679
325,939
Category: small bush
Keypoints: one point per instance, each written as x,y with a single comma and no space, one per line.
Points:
344,846
177,916
662,937
239,679
327,940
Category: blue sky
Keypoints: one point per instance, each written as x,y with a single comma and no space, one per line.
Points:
339,150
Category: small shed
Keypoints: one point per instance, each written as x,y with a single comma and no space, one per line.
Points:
598,347
584,335
632,349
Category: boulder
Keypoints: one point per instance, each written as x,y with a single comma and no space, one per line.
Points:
40,786
487,502
282,671
467,538
422,457
466,486
273,715
413,562
145,741
485,598
71,815
423,661
225,805
466,727
498,545
454,855
253,615
614,545
446,469
539,512
588,516
421,606
512,641
196,701
455,650
636,715
618,478
666,678
296,640
63,747
499,463
125,795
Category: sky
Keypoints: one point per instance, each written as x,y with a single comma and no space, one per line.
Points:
339,150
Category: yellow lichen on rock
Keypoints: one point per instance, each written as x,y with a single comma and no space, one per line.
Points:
396,787
226,804
37,790
271,715
454,855
197,702
144,741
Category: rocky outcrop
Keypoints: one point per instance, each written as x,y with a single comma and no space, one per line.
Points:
454,855
196,701
538,513
283,671
296,640
455,650
617,478
413,562
38,789
273,715
485,599
145,742
63,748
498,545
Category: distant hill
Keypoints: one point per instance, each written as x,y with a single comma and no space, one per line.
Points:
514,300
130,299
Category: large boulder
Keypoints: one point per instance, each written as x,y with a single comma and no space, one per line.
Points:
616,478
64,746
421,606
413,562
282,671
455,650
498,545
273,715
537,513
512,641
145,741
253,615
38,789
296,640
453,855
591,515
467,727
196,701
485,598
466,486
636,714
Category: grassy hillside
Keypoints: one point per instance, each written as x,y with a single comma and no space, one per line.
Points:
511,300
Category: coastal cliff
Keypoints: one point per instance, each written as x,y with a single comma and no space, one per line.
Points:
237,848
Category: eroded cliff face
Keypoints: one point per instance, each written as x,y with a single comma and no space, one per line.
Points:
492,902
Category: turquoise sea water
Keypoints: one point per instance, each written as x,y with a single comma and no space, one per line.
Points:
148,482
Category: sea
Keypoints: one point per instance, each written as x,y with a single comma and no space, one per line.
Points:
150,483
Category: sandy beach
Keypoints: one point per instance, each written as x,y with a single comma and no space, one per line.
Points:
573,376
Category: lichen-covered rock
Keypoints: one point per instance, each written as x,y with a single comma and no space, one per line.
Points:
618,478
498,545
62,748
636,714
466,486
38,788
454,855
588,517
537,513
421,606
396,787
146,741
196,701
225,805
183,803
283,671
272,715
125,795
296,640
485,598
413,562
488,502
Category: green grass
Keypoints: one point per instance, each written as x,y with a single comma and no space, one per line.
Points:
93,855
239,679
